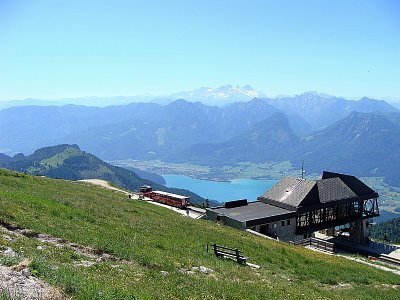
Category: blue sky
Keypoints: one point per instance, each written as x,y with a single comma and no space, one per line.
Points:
56,49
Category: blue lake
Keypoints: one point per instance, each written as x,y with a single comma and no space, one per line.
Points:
236,189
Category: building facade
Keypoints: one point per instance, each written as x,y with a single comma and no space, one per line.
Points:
295,208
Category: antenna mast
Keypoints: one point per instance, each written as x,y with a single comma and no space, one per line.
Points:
302,170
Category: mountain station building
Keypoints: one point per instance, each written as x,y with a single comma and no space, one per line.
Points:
295,208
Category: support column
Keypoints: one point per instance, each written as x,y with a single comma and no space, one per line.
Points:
330,231
359,232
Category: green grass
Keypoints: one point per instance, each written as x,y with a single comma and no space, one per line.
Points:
154,239
3,295
56,160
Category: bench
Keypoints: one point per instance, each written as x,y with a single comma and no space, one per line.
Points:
230,253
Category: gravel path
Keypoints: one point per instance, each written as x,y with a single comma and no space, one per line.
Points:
195,213
104,184
22,285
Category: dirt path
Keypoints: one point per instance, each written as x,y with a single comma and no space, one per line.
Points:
192,213
106,185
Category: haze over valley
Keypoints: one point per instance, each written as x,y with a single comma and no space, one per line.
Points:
305,127
254,138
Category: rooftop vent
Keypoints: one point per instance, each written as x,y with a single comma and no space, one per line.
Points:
235,203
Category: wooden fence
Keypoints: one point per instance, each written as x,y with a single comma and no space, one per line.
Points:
316,243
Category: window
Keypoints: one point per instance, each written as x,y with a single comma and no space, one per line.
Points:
287,222
283,223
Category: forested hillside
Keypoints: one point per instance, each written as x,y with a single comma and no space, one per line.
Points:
388,231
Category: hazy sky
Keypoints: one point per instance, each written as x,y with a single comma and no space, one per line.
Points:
55,49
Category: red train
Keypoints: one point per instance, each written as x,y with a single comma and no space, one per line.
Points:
164,197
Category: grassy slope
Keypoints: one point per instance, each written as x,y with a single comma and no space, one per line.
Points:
57,159
69,162
155,239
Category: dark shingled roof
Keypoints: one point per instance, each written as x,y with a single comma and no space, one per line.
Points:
288,193
333,189
291,193
355,184
253,211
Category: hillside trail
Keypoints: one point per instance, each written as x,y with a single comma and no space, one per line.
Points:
106,185
194,213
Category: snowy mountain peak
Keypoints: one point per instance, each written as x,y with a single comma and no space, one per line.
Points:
218,96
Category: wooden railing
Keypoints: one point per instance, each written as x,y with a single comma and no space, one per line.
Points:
316,243
389,259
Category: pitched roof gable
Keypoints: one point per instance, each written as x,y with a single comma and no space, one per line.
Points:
289,192
355,184
333,189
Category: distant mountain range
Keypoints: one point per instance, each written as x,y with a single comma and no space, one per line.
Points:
86,101
210,96
220,96
322,110
271,139
69,162
363,144
359,137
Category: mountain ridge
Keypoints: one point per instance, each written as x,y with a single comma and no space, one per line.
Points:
368,146
264,140
220,96
153,124
363,144
149,131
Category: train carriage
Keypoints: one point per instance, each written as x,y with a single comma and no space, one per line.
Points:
146,190
165,197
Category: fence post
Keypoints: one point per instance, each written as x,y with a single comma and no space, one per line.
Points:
237,254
